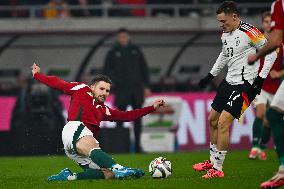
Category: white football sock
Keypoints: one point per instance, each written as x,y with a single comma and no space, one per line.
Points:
219,159
213,151
116,167
72,177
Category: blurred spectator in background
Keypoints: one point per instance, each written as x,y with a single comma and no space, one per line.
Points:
5,13
84,10
161,11
37,119
134,11
128,11
56,9
126,66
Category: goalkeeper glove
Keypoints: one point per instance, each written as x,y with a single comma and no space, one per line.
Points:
205,81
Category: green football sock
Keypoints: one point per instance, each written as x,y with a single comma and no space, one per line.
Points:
101,158
256,131
90,174
277,127
281,159
265,137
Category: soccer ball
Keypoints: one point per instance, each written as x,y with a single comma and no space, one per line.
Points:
160,168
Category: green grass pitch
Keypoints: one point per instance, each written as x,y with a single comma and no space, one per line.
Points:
32,172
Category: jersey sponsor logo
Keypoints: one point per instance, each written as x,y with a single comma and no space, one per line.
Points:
77,87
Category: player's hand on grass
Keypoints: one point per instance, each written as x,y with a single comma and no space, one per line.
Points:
35,69
107,173
158,103
205,81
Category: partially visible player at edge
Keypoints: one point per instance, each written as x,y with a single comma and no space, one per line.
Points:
79,135
260,129
276,111
240,87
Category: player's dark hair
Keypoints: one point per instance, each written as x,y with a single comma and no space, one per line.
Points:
101,77
264,15
228,7
123,30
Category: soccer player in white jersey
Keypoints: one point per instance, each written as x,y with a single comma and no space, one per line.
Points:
240,87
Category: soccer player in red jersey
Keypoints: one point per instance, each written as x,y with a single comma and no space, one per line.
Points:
260,129
276,112
79,135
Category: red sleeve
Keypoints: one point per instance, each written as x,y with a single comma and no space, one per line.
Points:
56,83
277,17
116,115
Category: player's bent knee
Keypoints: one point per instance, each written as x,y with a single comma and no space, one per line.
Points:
85,144
213,121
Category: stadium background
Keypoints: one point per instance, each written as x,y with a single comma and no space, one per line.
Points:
180,40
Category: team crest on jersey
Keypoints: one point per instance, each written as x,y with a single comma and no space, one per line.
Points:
238,41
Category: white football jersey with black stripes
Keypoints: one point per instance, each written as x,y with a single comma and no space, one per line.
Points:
237,45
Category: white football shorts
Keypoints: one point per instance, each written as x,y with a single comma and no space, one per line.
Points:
278,100
263,98
71,133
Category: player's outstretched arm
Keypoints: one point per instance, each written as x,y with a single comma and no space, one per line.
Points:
35,69
52,81
116,115
158,103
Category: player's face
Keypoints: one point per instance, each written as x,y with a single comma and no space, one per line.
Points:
266,24
227,21
123,38
100,91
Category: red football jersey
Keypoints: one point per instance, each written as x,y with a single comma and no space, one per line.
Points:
271,85
277,17
83,106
